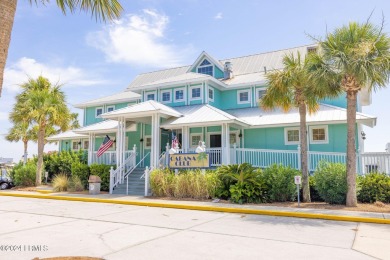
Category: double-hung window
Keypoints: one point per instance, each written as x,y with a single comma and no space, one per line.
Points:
179,95
318,134
166,96
291,135
196,93
110,108
211,94
98,111
243,97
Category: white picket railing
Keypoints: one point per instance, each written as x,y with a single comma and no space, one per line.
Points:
263,158
375,162
315,157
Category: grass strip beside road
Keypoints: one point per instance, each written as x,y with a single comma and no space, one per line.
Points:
279,213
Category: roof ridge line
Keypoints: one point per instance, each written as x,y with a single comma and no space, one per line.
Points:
269,52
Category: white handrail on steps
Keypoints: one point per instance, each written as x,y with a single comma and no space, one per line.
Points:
116,176
131,170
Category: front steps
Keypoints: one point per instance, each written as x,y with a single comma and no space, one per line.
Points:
136,184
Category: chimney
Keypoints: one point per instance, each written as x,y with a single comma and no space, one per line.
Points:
228,70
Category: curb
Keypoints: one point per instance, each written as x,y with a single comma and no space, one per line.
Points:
45,191
208,208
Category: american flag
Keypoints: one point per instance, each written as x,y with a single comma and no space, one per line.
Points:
174,142
107,142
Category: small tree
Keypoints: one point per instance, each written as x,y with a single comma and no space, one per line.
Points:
43,105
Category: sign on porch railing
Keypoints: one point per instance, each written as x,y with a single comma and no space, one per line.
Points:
189,160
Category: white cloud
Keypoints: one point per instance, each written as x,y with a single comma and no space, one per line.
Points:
139,40
24,68
218,16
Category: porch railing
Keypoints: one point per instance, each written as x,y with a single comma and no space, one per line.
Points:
215,155
263,158
375,162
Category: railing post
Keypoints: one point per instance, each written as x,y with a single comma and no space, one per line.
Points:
299,158
234,154
134,155
111,179
146,181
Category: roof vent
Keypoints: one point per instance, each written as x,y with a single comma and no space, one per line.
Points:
312,49
228,70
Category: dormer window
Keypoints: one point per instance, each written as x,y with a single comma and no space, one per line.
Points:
205,67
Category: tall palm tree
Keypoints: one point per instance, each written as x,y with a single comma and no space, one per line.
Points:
292,88
44,105
21,131
101,9
353,57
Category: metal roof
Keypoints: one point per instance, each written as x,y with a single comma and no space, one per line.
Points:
326,114
187,77
121,97
68,135
201,115
141,110
241,65
107,126
258,78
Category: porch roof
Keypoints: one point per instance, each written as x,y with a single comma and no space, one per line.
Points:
124,96
143,109
326,114
107,126
201,115
68,135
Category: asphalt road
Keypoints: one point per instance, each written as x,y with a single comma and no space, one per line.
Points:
47,228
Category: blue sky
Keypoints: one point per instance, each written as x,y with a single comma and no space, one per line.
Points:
93,59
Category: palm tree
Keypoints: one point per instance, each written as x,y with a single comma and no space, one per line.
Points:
289,88
41,104
21,131
351,58
101,9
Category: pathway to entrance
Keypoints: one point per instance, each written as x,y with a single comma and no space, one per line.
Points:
42,228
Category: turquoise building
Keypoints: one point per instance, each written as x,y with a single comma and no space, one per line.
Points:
215,101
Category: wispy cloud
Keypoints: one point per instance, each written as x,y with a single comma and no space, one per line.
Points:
139,39
218,16
19,72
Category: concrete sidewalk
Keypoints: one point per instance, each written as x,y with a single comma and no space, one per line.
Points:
338,215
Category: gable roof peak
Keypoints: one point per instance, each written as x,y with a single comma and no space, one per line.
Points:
205,55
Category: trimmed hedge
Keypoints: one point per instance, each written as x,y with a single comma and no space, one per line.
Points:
103,171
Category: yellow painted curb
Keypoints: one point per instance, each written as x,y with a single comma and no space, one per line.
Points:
45,191
207,208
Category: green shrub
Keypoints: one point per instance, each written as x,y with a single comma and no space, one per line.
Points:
374,187
280,184
241,183
314,196
81,171
24,175
331,182
61,182
187,184
103,171
161,182
76,184
61,162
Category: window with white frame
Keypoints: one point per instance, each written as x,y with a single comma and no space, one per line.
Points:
75,145
150,96
148,142
166,96
110,108
206,68
291,135
179,95
98,111
86,144
196,92
243,97
260,92
211,94
195,138
318,134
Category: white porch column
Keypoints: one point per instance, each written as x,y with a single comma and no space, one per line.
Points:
123,140
89,149
118,146
155,151
225,144
185,138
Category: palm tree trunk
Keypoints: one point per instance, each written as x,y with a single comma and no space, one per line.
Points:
41,145
25,152
7,15
303,141
351,200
